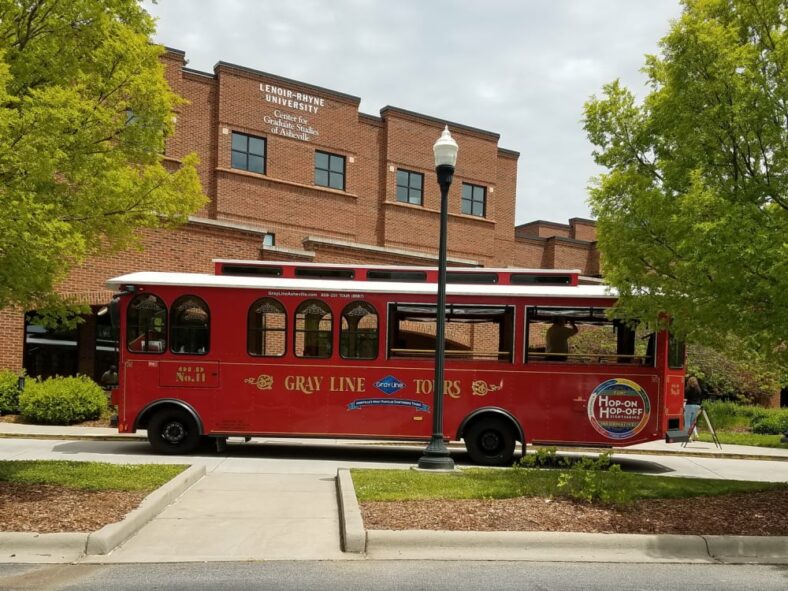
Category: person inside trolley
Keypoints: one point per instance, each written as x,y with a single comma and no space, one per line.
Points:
557,338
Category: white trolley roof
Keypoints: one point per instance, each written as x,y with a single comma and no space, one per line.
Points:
290,284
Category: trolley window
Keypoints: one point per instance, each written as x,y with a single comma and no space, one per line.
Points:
404,276
266,328
528,279
475,278
584,335
358,337
313,330
473,332
251,271
146,324
311,273
190,326
676,353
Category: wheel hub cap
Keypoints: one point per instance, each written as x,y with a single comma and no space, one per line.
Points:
173,432
490,441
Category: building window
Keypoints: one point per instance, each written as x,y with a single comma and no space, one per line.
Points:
474,200
330,170
266,328
269,239
409,187
191,326
248,153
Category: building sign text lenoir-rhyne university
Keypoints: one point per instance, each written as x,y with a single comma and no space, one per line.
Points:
288,123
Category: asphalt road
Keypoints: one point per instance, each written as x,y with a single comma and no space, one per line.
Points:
393,575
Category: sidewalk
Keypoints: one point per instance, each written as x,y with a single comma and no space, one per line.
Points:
276,500
692,449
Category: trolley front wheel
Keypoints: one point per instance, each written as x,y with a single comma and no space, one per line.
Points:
173,431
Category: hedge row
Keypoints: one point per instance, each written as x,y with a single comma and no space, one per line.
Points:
9,392
54,401
733,416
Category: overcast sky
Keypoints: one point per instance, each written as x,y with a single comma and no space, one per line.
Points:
520,68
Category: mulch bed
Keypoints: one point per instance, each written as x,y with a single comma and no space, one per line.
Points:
18,419
754,514
46,508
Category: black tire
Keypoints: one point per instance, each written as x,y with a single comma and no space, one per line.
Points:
173,431
490,441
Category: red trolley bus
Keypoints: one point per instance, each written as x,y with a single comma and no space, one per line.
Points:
308,350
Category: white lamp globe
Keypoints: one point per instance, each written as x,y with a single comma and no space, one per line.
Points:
445,149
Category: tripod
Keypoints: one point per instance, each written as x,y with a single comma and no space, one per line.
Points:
694,424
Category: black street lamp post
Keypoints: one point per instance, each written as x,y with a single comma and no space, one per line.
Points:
436,455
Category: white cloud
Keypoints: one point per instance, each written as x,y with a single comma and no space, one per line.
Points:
519,68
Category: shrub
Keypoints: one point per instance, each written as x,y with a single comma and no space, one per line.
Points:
729,415
545,457
773,423
9,392
62,401
594,480
730,374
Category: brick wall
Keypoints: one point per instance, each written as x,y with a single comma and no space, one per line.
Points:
12,329
364,223
549,245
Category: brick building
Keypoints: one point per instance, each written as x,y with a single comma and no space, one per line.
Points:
295,172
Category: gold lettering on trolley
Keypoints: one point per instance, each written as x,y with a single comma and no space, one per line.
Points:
482,388
263,382
345,384
190,374
451,388
310,384
304,384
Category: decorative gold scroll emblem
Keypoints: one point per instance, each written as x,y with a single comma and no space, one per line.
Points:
482,388
263,382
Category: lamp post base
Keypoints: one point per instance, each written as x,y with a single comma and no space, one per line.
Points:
436,456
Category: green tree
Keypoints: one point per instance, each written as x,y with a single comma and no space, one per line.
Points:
693,209
84,112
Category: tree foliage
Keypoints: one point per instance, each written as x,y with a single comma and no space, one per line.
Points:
84,112
693,209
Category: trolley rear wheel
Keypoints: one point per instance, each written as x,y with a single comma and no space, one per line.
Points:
490,441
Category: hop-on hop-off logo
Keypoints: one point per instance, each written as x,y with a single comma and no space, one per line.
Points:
389,385
619,408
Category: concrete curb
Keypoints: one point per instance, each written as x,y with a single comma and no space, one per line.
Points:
748,549
27,547
108,537
351,525
69,437
546,546
574,547
535,546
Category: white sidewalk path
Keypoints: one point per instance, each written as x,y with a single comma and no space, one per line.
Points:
236,516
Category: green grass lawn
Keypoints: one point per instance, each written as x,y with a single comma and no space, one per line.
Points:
89,475
475,483
739,438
